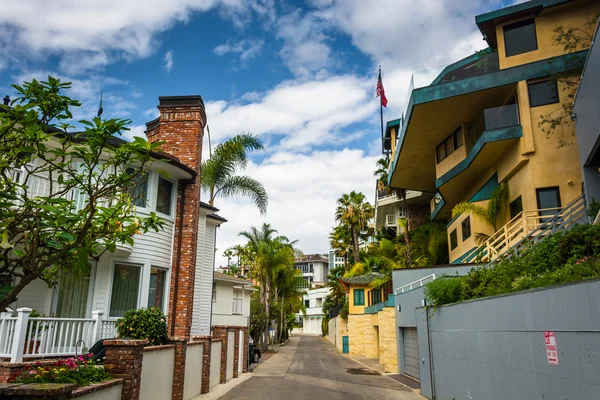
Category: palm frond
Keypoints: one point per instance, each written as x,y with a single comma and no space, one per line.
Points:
473,209
245,186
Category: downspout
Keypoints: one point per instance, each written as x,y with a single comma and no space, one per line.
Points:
182,185
213,276
432,379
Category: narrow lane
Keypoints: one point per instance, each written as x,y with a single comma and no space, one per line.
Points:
308,367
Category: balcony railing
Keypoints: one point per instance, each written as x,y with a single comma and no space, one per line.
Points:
237,307
529,227
501,117
24,337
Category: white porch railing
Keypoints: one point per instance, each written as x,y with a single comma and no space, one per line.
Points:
24,337
416,284
530,226
237,306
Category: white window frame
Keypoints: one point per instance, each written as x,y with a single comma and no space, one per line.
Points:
173,197
144,282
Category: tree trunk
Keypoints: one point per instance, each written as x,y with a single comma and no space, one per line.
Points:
356,246
281,321
268,306
11,297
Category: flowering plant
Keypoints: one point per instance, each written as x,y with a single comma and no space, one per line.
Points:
81,370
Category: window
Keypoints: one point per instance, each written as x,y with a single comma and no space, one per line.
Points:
453,240
164,196
157,290
516,206
125,289
548,198
520,37
542,93
307,303
214,292
73,292
359,297
139,189
376,296
449,145
466,228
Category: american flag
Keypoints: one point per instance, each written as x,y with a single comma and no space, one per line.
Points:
381,91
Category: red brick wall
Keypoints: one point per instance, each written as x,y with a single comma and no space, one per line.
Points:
181,128
124,361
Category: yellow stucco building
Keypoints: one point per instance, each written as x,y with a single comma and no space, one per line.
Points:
476,124
370,328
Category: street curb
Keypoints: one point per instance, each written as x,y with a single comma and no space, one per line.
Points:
385,374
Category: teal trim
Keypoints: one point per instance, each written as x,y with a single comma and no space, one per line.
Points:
460,63
438,207
486,137
485,192
452,220
527,6
359,297
395,123
503,77
375,308
464,256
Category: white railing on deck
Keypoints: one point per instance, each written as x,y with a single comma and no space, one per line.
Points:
414,285
25,337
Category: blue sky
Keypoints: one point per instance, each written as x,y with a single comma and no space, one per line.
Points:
301,74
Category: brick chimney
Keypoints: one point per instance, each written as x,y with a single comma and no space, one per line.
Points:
181,127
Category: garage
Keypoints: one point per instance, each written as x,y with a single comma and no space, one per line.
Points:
411,352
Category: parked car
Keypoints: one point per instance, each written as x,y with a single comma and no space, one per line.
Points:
253,354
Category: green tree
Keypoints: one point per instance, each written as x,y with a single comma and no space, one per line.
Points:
381,173
491,215
87,207
219,172
355,212
340,240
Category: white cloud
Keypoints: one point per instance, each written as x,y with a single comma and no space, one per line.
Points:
303,190
168,61
246,48
134,130
304,113
152,113
92,34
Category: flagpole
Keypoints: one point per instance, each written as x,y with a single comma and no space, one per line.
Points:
381,114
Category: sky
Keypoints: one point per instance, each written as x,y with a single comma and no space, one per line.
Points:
301,74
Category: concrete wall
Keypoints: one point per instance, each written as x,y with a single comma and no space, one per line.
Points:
388,352
342,330
333,330
494,348
410,301
157,373
215,363
587,122
111,393
193,371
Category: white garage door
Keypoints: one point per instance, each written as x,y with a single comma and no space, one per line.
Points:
411,352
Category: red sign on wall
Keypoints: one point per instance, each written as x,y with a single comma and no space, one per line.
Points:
551,350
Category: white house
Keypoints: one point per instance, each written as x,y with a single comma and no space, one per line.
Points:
231,300
314,268
313,302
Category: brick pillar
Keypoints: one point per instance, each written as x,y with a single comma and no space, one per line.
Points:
179,370
220,333
180,127
236,355
124,361
206,350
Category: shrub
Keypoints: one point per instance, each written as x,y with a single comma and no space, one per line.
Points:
145,323
560,258
80,370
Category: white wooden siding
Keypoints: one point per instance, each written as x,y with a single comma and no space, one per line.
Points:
37,296
198,278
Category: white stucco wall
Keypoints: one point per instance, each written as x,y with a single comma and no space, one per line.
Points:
157,374
230,354
215,363
193,371
112,393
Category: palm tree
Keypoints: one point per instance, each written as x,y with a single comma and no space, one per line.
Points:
491,215
382,173
354,212
340,239
228,253
219,172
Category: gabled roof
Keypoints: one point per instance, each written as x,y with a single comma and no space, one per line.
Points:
362,280
228,278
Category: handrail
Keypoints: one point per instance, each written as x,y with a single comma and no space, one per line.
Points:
411,286
528,224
